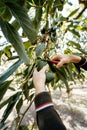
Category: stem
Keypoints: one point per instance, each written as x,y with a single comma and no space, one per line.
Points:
24,113
33,125
37,6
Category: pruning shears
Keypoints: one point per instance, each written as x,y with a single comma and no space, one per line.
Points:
50,61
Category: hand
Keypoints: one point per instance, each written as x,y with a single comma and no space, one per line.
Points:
64,59
39,78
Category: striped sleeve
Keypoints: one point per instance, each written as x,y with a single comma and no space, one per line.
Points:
83,63
43,101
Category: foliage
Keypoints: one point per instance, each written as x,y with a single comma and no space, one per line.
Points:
47,32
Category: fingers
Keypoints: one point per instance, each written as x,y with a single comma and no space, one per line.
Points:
60,64
57,57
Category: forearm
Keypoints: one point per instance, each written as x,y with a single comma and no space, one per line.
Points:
82,63
47,117
79,60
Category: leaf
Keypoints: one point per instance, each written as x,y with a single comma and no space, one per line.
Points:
13,37
3,88
5,102
62,77
73,12
7,51
49,4
22,127
7,14
13,57
37,18
2,8
40,64
72,43
19,105
49,77
74,32
15,24
39,50
20,14
10,71
27,45
58,4
12,89
25,88
10,106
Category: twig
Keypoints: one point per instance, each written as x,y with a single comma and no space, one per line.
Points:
25,113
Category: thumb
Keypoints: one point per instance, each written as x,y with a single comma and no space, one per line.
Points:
60,64
35,71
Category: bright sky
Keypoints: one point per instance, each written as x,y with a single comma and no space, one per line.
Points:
67,8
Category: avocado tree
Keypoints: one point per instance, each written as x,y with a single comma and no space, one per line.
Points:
36,30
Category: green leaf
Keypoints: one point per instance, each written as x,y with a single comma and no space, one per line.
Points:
73,12
19,105
39,50
13,57
10,71
40,64
2,8
12,89
74,32
58,4
49,5
37,18
27,45
22,127
25,88
7,14
10,106
21,15
15,24
3,88
5,102
13,37
7,51
49,77
62,77
72,43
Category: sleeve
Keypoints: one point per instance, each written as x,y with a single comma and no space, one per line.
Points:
47,117
82,63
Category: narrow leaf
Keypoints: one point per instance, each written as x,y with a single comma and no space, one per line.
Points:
19,105
21,15
74,32
10,71
37,18
3,88
40,48
10,106
73,12
13,37
5,102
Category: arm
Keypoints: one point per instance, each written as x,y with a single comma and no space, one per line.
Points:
65,59
47,117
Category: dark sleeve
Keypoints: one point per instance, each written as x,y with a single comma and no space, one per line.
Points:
47,117
82,63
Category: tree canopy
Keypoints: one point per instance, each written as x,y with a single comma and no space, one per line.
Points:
36,30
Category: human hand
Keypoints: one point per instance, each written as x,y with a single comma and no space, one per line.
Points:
64,59
39,78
